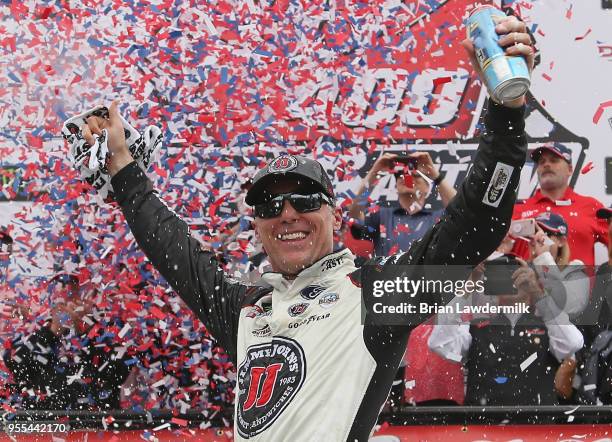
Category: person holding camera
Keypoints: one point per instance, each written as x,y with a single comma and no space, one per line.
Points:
392,229
564,278
511,357
554,169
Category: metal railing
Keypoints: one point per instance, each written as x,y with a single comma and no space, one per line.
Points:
407,416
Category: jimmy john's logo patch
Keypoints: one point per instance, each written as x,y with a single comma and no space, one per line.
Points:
498,184
283,163
297,309
268,379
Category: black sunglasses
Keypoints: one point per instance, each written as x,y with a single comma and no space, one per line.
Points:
302,203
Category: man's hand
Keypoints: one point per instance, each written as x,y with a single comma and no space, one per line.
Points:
383,163
526,281
425,165
356,209
541,243
516,41
119,152
564,377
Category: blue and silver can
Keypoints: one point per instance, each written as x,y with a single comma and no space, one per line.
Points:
506,77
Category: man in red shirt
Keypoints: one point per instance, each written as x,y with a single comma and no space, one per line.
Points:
554,169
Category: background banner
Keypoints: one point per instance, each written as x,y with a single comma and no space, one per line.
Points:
232,83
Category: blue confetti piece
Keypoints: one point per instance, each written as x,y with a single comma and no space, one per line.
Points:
501,379
94,42
262,52
131,361
13,77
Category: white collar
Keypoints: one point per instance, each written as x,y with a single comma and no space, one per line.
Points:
329,265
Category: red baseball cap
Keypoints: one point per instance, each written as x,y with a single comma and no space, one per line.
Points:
557,148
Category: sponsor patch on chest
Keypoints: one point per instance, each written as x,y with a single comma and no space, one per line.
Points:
297,309
328,300
268,379
310,292
330,263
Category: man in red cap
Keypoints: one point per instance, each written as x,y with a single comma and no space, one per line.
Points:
554,169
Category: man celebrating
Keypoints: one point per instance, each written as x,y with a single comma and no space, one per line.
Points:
299,342
554,169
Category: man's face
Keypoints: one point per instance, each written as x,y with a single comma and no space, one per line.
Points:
294,240
553,171
420,187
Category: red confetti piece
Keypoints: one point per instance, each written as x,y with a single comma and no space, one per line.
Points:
94,331
583,36
546,77
568,13
441,80
158,313
587,168
160,171
600,110
180,422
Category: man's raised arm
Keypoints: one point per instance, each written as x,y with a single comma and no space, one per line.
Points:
165,239
478,217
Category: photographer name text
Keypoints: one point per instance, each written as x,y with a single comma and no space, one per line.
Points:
451,308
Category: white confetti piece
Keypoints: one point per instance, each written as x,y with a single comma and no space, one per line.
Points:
209,24
124,330
527,362
162,427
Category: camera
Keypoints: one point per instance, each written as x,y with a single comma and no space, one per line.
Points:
523,227
498,276
407,160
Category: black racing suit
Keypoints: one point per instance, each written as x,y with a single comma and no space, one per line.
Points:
307,366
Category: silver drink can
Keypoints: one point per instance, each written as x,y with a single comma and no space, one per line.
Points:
506,77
